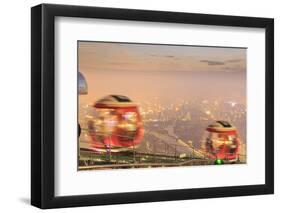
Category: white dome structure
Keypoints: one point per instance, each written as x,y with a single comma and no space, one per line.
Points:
82,85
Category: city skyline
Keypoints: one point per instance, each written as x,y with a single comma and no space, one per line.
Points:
161,105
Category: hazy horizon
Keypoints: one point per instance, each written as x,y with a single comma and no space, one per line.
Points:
142,71
180,91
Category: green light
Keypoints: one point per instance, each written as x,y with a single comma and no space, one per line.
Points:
219,161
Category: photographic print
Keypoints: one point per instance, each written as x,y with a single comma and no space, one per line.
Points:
140,94
160,105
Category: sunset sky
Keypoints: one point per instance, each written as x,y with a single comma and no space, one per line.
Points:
142,71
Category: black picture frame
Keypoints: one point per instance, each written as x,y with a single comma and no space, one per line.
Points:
43,102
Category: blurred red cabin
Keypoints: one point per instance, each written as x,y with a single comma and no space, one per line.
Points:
117,124
222,141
